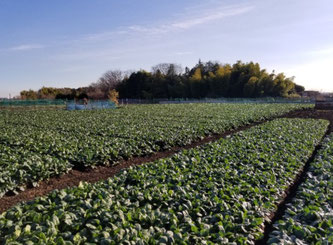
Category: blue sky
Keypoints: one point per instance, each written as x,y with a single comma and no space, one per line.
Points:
70,43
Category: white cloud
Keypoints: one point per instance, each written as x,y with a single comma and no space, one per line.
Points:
102,36
191,18
125,40
181,53
109,54
25,47
149,30
212,15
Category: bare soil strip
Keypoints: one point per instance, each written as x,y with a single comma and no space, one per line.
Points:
74,177
290,193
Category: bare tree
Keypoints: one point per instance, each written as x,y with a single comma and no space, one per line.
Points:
95,93
109,80
169,69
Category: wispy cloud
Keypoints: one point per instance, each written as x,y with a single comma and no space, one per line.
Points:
212,15
181,53
96,54
193,17
127,38
149,29
106,35
25,47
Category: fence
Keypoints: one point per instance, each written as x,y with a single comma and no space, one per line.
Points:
6,103
218,100
56,104
79,105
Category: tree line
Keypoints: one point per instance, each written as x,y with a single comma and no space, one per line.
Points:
167,80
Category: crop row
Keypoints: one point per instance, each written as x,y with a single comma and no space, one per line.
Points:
35,146
20,166
218,193
309,217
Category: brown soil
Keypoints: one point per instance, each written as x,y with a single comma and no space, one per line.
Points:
100,173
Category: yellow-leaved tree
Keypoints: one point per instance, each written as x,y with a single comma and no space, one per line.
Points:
113,96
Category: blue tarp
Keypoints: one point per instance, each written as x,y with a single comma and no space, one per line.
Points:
93,105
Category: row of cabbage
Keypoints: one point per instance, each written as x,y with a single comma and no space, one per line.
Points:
37,145
217,193
309,217
20,166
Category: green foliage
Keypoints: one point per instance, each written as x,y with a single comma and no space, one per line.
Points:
209,80
28,95
218,193
20,166
36,146
309,218
55,93
197,75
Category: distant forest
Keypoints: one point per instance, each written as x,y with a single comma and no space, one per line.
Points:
167,80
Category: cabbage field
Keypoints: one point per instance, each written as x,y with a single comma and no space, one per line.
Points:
218,193
36,145
222,192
